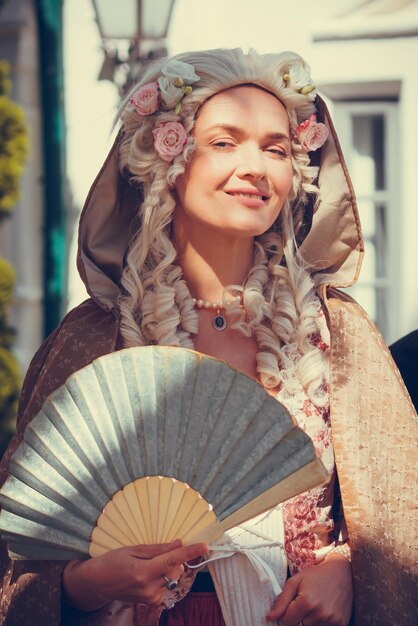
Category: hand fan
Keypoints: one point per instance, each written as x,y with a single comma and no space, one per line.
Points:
146,445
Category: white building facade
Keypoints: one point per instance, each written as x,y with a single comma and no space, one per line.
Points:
367,60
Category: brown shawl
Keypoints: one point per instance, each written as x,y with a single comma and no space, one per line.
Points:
373,421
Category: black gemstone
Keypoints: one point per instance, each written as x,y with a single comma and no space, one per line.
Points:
219,322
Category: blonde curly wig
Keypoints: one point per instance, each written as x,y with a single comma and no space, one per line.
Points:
280,304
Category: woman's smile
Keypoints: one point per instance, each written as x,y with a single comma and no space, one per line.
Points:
250,198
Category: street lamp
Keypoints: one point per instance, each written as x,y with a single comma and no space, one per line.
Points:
133,33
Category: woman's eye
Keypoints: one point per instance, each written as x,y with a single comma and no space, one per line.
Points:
277,151
222,144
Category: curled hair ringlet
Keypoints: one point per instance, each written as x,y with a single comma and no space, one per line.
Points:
279,301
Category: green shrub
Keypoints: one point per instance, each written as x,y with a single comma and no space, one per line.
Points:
10,382
7,282
5,82
13,150
13,145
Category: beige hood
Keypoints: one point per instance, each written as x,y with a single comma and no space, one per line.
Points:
333,244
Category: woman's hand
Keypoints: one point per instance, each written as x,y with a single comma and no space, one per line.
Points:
133,574
321,595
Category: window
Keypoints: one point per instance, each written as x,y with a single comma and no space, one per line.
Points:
368,135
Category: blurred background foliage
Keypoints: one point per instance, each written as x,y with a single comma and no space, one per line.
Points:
13,152
13,144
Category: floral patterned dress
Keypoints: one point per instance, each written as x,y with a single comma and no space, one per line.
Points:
307,523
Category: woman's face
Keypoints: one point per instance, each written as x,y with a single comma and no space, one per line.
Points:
241,172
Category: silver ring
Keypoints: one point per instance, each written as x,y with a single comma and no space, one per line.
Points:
170,583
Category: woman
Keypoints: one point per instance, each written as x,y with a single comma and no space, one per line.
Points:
200,231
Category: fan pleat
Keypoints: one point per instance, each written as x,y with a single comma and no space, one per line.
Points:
202,404
244,451
76,426
32,505
118,406
171,434
146,379
34,471
232,423
69,412
42,436
19,550
55,517
44,536
129,418
267,470
185,427
92,403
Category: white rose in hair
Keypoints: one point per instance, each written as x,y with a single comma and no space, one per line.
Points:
300,78
175,70
170,95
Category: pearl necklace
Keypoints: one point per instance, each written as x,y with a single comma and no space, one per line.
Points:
219,321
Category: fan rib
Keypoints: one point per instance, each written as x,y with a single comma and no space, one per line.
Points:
102,542
142,495
183,511
197,512
109,523
176,496
166,487
153,487
127,522
207,520
132,501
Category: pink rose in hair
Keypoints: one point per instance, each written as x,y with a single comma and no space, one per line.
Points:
311,134
169,139
145,100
